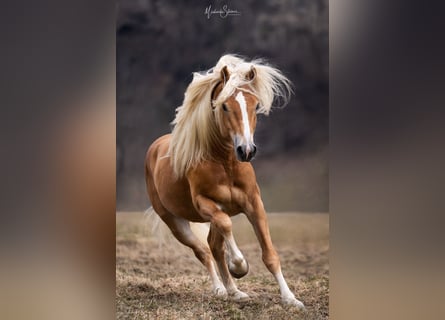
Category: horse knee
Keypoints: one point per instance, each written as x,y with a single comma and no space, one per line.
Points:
222,222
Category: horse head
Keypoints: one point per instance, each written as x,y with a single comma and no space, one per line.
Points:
238,114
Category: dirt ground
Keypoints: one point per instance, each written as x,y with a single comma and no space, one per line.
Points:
164,280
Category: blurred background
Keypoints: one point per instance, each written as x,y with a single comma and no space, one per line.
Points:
386,144
161,43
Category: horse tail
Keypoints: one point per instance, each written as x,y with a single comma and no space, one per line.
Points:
160,231
157,229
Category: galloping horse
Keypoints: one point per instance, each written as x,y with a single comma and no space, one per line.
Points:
201,172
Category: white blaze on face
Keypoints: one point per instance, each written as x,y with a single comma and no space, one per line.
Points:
246,126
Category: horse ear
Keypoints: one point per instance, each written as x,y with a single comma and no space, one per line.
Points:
225,75
251,74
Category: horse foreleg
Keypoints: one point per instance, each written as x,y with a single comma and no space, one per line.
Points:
220,233
217,246
270,257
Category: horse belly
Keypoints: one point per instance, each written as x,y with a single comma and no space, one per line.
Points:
177,200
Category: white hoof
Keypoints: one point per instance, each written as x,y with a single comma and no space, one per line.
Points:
291,301
220,291
239,296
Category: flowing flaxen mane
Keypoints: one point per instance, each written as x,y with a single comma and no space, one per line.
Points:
196,125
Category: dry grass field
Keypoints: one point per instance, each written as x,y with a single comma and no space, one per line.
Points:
164,280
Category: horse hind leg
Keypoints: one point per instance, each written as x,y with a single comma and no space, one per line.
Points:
181,230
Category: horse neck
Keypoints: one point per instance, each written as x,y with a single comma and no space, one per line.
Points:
221,150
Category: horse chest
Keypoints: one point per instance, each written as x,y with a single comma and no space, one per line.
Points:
229,186
230,198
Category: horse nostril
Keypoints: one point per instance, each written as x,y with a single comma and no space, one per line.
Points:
239,151
253,150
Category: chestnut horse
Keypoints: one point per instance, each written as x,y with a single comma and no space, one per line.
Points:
201,172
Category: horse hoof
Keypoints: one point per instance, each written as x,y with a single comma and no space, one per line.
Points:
220,292
291,301
239,272
240,296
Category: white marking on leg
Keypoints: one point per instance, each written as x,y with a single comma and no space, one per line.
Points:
236,262
218,286
287,297
231,288
229,284
284,289
235,252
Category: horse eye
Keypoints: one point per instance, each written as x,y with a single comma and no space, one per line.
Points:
225,107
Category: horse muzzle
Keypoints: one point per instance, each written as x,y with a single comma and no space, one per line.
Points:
245,153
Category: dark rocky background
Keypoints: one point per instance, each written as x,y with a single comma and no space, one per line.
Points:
160,44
